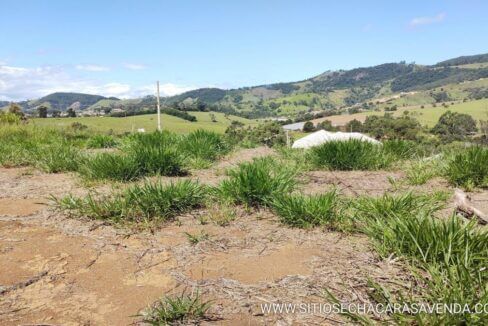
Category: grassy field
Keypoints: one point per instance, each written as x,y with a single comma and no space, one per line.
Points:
148,122
427,116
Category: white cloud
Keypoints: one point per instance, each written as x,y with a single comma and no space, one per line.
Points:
427,20
169,89
20,83
94,68
134,66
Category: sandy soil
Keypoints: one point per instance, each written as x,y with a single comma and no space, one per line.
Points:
61,271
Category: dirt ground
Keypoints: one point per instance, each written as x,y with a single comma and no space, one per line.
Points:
60,271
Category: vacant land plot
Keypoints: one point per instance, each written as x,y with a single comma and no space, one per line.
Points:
60,270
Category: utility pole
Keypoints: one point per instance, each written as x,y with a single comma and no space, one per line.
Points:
159,109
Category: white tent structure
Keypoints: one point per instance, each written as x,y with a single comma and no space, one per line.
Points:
322,136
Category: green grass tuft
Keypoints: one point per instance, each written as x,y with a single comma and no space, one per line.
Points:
182,309
309,211
101,141
149,202
469,168
350,155
258,182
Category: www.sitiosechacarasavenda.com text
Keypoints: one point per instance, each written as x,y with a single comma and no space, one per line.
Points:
377,309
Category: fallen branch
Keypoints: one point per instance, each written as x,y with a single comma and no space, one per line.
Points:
466,208
24,284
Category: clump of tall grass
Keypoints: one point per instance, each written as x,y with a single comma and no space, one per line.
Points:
380,208
258,182
52,150
142,155
309,211
149,202
205,145
101,141
421,171
350,155
177,310
449,256
469,168
452,252
111,166
58,157
407,149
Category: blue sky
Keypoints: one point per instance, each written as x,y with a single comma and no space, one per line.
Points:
120,48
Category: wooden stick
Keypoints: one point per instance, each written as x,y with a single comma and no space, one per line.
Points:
466,208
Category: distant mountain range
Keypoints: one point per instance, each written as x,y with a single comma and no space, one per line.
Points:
329,90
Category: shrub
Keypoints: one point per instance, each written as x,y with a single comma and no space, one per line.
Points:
349,155
78,126
258,182
308,126
308,211
454,126
152,201
469,168
269,134
9,118
101,141
183,309
387,126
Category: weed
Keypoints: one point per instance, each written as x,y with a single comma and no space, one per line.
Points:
198,237
176,310
220,214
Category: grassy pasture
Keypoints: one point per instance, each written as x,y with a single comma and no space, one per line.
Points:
428,116
148,122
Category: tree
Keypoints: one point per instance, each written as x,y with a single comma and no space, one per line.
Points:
56,113
404,127
326,125
354,126
15,109
454,126
308,126
42,111
71,113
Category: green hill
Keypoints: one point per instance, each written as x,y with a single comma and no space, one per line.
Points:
366,88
